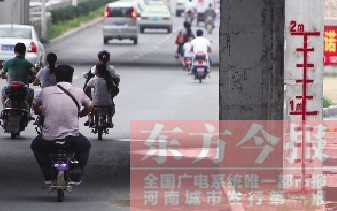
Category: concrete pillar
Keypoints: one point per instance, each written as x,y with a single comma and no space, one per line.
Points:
251,59
304,28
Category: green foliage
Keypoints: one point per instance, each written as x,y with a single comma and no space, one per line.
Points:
55,30
326,102
83,9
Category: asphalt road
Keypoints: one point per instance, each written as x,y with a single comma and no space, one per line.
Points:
146,94
155,47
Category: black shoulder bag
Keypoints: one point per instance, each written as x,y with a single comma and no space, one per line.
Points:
72,97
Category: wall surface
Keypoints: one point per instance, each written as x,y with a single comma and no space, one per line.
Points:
14,11
251,59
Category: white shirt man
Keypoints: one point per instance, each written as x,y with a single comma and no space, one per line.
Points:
200,44
189,6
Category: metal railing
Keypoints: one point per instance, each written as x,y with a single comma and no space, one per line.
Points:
50,7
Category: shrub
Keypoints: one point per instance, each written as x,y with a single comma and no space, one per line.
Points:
82,9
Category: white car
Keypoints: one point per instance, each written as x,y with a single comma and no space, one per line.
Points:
12,34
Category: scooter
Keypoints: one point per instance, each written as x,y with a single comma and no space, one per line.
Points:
200,66
63,167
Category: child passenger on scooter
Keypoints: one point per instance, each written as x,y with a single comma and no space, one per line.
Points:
102,85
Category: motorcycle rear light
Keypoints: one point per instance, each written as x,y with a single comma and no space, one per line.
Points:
200,61
107,11
32,47
15,85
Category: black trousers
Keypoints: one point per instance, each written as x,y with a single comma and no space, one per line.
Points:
41,149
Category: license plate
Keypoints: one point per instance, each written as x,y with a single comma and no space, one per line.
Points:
200,70
155,19
119,24
13,120
7,47
12,129
101,112
60,166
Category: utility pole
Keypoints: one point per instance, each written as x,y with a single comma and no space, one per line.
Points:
75,2
43,19
269,52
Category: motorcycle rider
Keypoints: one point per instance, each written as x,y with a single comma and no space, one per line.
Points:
102,85
18,69
210,12
104,57
200,43
46,76
61,121
189,9
187,51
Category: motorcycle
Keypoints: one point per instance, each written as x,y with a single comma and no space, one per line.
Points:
63,167
200,66
16,114
209,24
100,119
100,112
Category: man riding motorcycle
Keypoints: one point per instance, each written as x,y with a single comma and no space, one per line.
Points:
104,57
18,69
60,106
210,12
200,43
189,9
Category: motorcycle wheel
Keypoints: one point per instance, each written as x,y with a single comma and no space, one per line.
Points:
60,195
200,80
100,134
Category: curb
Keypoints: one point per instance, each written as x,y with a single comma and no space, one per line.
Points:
75,30
331,111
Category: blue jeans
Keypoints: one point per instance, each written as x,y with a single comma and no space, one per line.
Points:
30,92
41,149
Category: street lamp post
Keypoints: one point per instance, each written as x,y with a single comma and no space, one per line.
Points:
43,18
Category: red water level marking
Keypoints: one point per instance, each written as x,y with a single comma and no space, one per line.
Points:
301,108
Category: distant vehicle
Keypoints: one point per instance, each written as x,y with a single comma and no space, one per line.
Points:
156,16
140,4
180,7
120,22
12,34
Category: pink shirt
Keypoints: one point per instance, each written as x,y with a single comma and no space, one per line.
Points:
60,111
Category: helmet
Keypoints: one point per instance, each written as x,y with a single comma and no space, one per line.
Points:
103,53
200,32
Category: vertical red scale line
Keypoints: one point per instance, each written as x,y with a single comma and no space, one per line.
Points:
304,109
